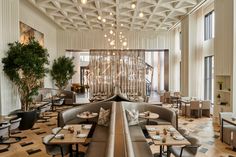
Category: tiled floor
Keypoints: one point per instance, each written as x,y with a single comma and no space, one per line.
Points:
202,128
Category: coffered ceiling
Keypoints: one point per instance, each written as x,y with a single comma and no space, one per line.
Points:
118,14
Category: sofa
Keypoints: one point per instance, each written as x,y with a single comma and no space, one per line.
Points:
118,139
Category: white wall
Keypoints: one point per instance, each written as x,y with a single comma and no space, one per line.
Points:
37,20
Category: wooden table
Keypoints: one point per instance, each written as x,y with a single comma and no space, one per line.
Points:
170,141
38,105
6,119
87,116
148,117
228,120
70,138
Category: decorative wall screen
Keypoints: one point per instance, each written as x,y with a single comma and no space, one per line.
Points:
124,69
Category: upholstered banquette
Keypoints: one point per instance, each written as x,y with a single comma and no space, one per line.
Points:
118,139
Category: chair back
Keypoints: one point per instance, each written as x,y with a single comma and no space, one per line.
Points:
224,115
59,102
194,142
4,129
15,123
177,94
206,104
167,95
194,105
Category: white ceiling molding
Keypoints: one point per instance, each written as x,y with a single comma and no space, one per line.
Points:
158,14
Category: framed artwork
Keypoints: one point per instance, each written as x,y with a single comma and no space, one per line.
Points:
26,32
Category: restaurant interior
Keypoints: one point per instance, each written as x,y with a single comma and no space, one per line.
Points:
117,78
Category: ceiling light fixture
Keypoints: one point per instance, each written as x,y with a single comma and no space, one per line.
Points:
141,14
83,1
124,43
99,17
104,20
112,25
111,32
133,6
120,32
122,25
105,35
111,13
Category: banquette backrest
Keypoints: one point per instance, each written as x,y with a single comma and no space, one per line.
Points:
69,116
164,113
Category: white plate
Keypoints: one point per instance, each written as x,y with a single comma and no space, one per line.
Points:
81,135
152,129
141,114
59,136
171,129
94,114
66,127
87,127
156,137
178,137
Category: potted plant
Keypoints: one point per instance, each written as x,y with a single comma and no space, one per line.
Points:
24,65
62,71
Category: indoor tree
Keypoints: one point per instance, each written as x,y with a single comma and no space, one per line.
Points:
62,71
24,64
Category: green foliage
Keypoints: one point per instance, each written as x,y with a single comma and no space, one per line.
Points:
62,71
25,67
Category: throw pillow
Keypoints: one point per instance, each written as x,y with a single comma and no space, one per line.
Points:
132,117
104,117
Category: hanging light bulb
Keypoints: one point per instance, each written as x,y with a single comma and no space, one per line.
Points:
99,17
124,43
111,13
122,25
133,6
112,24
111,32
83,1
120,32
141,14
104,20
105,35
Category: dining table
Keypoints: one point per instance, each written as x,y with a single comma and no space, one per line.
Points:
148,115
77,136
171,135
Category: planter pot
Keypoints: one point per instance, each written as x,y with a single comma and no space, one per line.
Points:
28,119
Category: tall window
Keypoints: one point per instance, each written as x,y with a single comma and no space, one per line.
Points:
209,25
209,78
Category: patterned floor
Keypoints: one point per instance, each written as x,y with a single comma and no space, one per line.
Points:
202,128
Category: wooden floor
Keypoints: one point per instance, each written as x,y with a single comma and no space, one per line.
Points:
202,128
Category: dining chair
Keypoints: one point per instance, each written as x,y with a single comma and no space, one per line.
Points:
4,131
205,109
195,108
55,149
14,125
42,112
186,151
167,97
57,103
228,129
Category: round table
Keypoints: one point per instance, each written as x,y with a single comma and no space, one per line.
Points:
148,117
87,116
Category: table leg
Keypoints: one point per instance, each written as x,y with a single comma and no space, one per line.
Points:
168,151
222,130
71,151
77,150
185,108
160,150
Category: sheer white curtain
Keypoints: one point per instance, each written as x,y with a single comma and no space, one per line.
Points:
199,55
